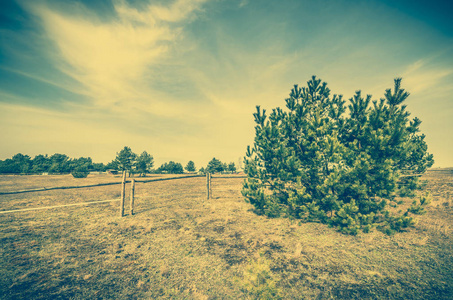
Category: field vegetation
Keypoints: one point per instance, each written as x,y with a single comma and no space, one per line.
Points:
179,245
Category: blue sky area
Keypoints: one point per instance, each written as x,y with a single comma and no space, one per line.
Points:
181,79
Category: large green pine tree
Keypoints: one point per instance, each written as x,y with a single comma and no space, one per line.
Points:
320,160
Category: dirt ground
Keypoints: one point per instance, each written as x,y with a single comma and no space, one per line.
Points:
179,245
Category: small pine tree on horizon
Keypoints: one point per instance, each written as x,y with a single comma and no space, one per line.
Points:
144,163
171,168
125,160
190,167
231,167
215,166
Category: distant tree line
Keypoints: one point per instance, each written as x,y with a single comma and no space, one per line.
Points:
55,164
125,160
216,166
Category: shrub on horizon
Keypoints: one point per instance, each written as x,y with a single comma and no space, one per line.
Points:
80,172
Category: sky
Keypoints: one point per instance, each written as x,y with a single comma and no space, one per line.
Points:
180,79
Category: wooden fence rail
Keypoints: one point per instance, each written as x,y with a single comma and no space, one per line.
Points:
123,191
94,185
209,178
57,206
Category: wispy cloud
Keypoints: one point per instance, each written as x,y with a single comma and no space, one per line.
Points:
181,78
111,58
176,12
54,83
424,76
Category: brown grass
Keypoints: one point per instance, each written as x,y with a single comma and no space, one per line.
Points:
180,245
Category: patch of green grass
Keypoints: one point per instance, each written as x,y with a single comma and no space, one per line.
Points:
179,245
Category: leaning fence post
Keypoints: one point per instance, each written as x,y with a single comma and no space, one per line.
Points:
123,193
132,195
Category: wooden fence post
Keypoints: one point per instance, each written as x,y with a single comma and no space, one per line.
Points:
132,195
208,185
123,193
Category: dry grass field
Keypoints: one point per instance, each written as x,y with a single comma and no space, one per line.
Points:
179,245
